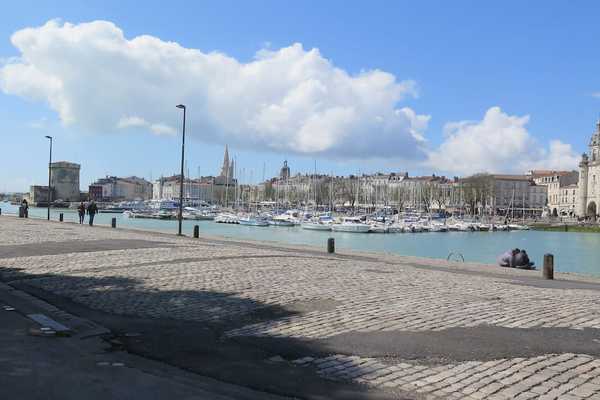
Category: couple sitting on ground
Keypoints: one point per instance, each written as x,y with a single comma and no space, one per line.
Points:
515,259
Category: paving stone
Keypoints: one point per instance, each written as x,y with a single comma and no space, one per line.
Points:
216,281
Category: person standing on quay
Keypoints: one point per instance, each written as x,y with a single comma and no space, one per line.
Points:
92,209
81,210
25,206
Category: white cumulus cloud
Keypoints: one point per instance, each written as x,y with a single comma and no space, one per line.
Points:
138,122
498,143
290,99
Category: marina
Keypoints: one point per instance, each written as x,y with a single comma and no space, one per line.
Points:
574,251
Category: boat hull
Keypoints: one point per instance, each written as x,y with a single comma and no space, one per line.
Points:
352,228
281,223
316,227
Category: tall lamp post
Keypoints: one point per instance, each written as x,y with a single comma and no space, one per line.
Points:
180,216
49,176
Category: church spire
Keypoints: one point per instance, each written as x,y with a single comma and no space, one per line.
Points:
225,168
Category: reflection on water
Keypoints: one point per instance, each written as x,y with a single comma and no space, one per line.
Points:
573,251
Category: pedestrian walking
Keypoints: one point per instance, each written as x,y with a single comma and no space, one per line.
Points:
81,210
92,209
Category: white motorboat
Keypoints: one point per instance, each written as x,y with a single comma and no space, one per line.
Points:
316,226
196,214
396,228
464,227
227,218
517,227
351,224
452,227
320,223
414,228
165,214
253,221
484,227
378,228
281,220
437,227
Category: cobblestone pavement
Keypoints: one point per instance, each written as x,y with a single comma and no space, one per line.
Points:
218,281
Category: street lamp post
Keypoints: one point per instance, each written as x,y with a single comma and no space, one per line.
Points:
180,216
49,176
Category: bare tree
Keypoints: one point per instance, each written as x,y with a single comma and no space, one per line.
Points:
439,196
426,190
477,191
269,192
401,194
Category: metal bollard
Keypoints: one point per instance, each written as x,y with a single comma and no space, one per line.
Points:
331,245
113,222
196,231
0,211
61,217
548,269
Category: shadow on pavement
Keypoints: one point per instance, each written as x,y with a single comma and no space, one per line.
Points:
135,315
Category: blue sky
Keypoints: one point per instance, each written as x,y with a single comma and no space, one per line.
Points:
536,59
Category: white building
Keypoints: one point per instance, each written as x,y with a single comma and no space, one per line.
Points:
193,189
562,190
589,179
119,189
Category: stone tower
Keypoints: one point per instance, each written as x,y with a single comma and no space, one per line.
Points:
583,185
595,144
64,178
285,171
589,178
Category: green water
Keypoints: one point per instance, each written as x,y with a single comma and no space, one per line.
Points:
573,251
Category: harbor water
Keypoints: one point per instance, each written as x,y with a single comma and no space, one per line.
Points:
573,251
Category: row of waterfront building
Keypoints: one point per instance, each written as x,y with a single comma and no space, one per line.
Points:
558,193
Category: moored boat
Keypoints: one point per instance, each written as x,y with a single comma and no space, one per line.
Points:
351,224
253,221
226,218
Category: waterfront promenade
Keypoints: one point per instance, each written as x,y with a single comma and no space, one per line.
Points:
296,321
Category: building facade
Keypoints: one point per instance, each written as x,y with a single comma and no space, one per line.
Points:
168,188
588,197
562,190
121,189
95,192
38,195
514,195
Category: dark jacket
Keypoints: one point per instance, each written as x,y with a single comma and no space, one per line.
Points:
522,260
92,209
